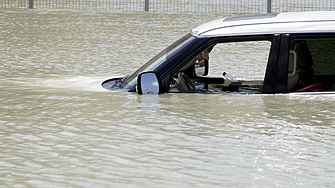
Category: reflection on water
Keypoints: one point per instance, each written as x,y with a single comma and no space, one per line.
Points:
59,128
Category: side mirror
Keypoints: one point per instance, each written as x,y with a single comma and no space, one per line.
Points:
201,67
149,83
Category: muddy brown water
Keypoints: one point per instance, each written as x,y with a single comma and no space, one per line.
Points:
59,128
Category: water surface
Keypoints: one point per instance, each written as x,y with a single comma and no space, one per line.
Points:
59,128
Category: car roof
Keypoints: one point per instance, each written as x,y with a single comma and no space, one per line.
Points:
294,22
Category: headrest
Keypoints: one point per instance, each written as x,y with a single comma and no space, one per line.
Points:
304,57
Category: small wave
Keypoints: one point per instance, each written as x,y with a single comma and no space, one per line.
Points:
81,83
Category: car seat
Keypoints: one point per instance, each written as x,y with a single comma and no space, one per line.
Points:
300,71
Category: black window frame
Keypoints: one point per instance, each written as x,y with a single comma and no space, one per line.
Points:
203,44
271,66
283,57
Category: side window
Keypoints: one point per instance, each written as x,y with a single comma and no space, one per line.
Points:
240,59
231,66
323,53
312,65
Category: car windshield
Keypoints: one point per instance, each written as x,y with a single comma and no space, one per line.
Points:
159,59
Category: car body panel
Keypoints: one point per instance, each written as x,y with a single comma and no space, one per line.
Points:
269,24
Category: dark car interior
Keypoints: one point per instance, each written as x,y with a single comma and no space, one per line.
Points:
311,65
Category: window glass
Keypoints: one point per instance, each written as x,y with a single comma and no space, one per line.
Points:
157,60
233,66
323,54
240,58
311,65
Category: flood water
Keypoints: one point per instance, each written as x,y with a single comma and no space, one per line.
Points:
60,128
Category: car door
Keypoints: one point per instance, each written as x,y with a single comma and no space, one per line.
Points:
306,63
241,55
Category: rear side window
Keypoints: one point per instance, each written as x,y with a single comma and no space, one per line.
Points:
312,61
323,54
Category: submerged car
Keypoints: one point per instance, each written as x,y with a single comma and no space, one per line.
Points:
275,53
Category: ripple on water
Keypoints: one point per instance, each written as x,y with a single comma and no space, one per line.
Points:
60,128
